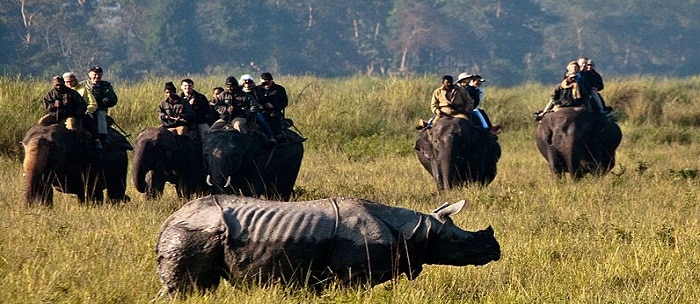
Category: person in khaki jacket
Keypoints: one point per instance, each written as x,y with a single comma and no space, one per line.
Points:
451,100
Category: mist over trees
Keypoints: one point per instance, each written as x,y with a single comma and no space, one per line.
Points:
508,42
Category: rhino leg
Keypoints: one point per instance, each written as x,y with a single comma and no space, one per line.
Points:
190,258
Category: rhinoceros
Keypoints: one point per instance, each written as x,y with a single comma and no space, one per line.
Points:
343,241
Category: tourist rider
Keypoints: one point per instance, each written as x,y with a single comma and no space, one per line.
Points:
199,104
571,91
451,100
175,114
232,106
472,83
248,87
105,98
274,100
63,105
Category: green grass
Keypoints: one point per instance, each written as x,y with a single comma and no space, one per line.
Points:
630,237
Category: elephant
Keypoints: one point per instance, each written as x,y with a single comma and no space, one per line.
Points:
578,141
161,156
56,157
246,164
457,152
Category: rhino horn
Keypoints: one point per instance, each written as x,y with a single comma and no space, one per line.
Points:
447,210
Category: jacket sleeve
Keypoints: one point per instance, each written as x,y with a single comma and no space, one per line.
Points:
281,99
80,104
165,119
435,102
89,99
556,95
48,103
112,97
469,103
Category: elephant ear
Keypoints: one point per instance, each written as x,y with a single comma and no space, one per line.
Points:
447,210
423,144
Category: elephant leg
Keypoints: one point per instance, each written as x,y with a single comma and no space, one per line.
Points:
556,164
436,172
97,197
115,180
155,183
284,182
183,189
42,192
81,197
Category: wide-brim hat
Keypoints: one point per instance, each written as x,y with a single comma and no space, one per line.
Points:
462,76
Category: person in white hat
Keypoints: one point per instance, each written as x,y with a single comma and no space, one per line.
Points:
472,83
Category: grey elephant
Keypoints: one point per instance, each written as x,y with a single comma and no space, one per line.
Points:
578,141
343,241
62,159
457,152
246,164
162,157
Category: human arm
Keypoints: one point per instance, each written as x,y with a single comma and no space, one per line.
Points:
80,106
51,104
88,97
435,102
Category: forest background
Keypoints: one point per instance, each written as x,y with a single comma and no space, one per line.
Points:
509,42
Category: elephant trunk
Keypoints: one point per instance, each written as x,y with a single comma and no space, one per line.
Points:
144,161
37,172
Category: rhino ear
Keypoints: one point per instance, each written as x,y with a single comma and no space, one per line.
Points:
447,210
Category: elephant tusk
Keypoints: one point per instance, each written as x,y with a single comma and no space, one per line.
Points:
228,182
209,180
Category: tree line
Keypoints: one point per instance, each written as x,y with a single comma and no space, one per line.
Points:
509,42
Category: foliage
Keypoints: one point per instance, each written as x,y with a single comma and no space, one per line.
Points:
510,42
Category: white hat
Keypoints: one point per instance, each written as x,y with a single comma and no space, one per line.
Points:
462,76
244,78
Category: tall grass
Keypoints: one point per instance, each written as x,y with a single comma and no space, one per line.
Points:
630,237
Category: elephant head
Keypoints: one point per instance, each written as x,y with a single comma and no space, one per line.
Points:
160,157
578,141
455,152
245,164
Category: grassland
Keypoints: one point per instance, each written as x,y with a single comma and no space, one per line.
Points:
630,237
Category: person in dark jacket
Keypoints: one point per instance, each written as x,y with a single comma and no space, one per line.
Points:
63,105
572,91
274,100
595,84
199,104
472,83
104,96
174,113
232,106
